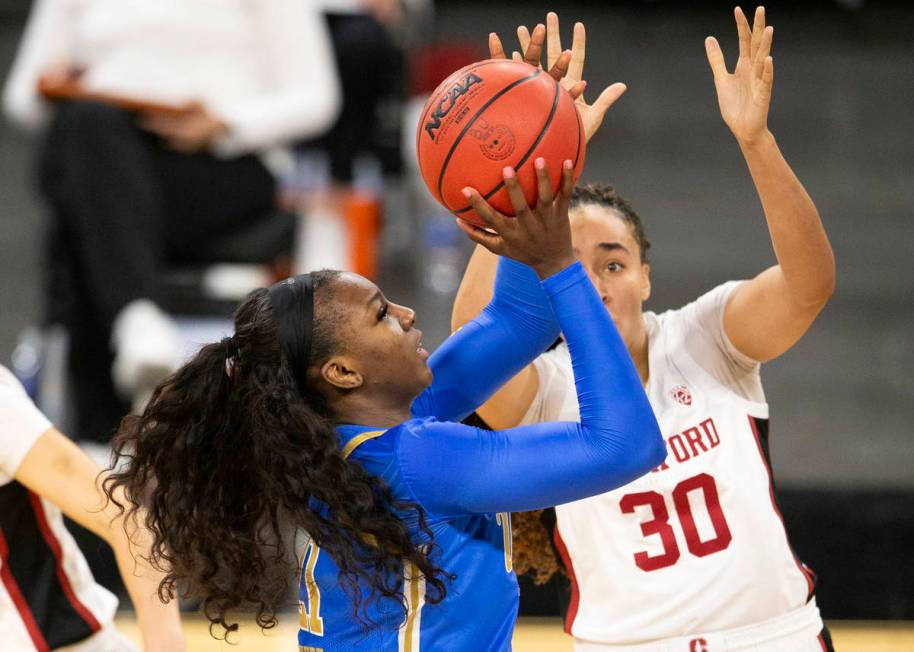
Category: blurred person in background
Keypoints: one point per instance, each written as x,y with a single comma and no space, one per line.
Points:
169,127
48,597
368,46
694,555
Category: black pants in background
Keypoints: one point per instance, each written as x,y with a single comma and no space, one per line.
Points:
123,205
371,69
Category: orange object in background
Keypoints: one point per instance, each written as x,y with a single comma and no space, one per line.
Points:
362,214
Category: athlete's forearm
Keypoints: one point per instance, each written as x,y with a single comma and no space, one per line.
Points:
611,399
797,235
454,469
159,623
511,331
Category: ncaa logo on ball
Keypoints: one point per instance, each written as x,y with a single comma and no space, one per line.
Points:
495,141
448,100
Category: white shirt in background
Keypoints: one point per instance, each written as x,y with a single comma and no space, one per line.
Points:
264,67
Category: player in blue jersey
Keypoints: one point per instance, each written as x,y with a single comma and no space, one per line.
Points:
324,414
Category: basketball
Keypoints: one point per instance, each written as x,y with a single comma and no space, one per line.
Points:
490,115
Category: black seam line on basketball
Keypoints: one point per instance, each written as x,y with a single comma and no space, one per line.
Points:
577,156
466,128
425,113
555,105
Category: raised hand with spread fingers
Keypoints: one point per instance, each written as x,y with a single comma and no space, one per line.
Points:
531,45
767,315
745,95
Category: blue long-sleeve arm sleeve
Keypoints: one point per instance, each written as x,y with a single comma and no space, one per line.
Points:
453,469
512,330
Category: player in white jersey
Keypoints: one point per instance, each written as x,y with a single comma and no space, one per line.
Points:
48,597
692,557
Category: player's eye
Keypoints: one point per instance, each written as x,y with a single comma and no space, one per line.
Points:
382,313
615,267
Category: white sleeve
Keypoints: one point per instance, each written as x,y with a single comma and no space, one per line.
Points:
701,325
552,387
303,96
21,424
47,40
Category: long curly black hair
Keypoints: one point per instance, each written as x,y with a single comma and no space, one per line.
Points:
231,461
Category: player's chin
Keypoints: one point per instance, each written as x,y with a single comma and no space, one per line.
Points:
425,375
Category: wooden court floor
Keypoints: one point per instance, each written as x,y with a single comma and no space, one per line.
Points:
531,635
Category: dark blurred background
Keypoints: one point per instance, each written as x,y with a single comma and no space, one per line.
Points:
842,400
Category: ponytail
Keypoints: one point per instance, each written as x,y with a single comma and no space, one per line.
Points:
533,549
231,462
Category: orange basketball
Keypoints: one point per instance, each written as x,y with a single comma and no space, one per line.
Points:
490,115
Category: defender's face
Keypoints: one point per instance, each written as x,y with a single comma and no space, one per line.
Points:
606,246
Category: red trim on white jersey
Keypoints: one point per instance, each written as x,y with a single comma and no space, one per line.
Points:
54,545
9,582
821,640
575,594
810,584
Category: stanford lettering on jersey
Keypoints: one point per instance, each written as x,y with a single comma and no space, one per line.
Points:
690,443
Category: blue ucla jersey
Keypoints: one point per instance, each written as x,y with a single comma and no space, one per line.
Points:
467,480
481,604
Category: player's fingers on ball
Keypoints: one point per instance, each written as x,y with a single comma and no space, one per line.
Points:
715,58
496,49
534,49
516,56
543,186
567,178
578,47
742,28
490,241
515,193
560,68
492,218
553,39
563,198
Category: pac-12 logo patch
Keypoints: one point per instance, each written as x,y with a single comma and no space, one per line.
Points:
681,394
698,644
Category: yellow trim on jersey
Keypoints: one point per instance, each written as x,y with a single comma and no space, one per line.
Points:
358,440
309,618
504,520
414,607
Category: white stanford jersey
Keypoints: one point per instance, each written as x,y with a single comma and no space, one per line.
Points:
48,597
696,545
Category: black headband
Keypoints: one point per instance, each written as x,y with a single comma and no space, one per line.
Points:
292,301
